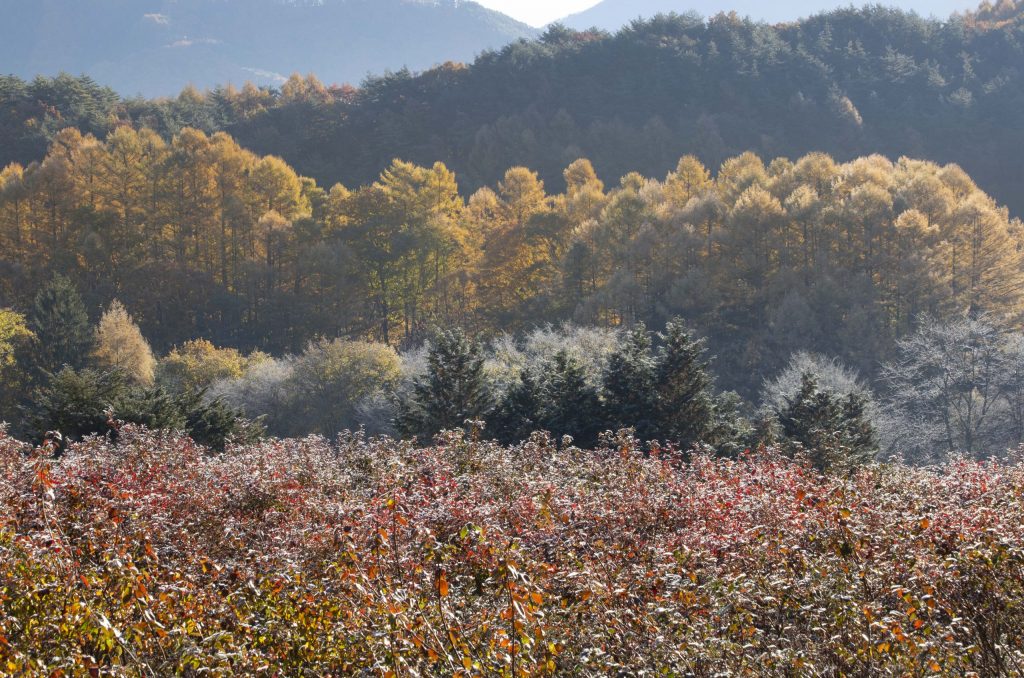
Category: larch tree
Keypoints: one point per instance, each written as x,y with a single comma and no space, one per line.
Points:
120,346
15,340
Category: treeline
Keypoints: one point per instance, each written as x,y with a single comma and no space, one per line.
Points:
954,387
202,239
63,378
850,83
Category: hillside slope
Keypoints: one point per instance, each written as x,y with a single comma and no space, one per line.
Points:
156,47
611,15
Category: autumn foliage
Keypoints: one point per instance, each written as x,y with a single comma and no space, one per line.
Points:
152,557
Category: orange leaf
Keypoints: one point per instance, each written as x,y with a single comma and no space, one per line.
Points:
442,584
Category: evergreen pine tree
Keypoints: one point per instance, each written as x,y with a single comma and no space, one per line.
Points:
686,405
214,423
75,404
61,324
570,406
453,391
834,432
860,434
629,396
520,412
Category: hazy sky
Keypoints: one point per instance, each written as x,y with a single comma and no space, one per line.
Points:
538,12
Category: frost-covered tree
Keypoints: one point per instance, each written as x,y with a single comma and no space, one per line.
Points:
947,386
832,429
263,391
332,379
830,374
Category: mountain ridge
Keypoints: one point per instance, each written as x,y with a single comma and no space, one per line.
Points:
156,47
611,15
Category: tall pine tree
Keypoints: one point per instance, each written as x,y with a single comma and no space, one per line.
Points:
519,413
630,400
61,324
570,406
453,391
686,404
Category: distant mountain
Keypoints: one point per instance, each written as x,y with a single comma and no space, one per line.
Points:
155,47
611,15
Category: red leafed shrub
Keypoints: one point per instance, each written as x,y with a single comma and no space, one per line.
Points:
151,557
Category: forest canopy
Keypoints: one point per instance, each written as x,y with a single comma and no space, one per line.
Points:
201,239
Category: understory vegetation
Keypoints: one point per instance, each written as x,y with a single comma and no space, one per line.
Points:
301,557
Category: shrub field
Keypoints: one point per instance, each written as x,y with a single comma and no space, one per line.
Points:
152,557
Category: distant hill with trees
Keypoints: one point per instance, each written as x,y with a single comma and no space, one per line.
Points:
849,83
611,15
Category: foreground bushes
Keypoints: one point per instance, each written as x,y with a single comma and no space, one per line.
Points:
304,558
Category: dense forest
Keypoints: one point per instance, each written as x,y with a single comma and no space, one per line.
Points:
200,238
226,285
162,236
849,83
613,14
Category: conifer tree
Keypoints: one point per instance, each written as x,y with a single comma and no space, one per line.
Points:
519,412
570,406
60,322
121,346
686,405
630,399
834,431
453,391
74,404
